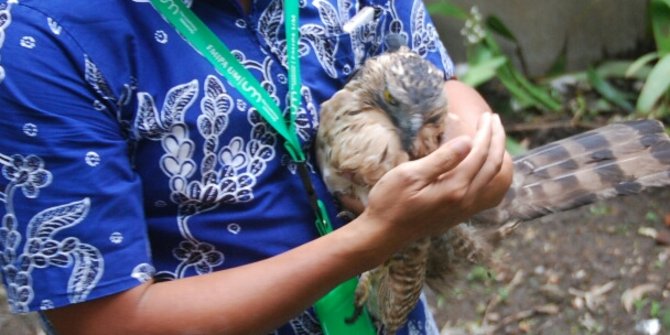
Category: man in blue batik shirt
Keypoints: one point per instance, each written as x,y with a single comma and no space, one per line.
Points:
142,194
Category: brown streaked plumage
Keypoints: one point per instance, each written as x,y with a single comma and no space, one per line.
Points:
393,110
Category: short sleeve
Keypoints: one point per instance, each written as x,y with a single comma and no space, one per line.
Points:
73,226
412,21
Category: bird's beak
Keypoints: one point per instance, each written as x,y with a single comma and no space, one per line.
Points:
410,130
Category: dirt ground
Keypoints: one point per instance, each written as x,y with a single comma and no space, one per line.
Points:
599,269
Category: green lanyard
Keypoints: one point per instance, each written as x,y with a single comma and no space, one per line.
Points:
203,40
337,305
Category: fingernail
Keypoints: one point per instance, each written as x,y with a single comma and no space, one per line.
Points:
461,144
484,119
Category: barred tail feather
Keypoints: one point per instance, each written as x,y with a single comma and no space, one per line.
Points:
619,159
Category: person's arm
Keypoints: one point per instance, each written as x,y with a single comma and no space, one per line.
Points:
259,297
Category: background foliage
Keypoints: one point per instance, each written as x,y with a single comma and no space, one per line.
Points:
610,90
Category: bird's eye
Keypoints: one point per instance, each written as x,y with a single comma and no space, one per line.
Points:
388,97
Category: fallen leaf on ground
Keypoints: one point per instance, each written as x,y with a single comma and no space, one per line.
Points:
629,297
662,237
648,232
594,297
548,309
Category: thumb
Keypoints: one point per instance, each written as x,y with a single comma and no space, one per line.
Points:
445,158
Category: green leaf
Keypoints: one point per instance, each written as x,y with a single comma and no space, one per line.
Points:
608,91
525,92
613,68
514,147
522,97
479,53
497,26
640,63
656,85
482,72
655,309
560,64
491,43
447,8
659,13
539,95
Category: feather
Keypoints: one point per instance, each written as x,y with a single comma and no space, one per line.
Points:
615,160
369,127
453,253
619,159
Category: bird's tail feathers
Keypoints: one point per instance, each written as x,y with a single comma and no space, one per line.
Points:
619,159
454,253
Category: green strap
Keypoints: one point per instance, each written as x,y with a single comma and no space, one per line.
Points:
334,309
292,28
210,46
203,40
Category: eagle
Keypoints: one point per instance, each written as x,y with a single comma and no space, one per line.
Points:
393,110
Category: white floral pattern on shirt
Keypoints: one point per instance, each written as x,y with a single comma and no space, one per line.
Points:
41,248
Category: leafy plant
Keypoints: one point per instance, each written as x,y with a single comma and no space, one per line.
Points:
486,60
654,99
479,274
652,69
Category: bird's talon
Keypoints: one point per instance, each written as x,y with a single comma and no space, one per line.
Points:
346,216
358,310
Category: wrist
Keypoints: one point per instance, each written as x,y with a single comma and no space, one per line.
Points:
371,241
367,241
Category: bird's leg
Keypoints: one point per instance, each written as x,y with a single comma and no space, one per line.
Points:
361,296
351,206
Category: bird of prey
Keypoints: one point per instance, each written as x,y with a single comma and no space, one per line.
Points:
393,110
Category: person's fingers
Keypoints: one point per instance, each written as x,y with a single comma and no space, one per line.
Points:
495,157
444,159
499,137
471,165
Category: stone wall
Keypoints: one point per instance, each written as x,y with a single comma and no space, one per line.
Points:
590,29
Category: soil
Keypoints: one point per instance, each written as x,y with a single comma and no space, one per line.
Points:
593,270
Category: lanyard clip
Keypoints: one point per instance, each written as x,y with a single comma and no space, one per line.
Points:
295,152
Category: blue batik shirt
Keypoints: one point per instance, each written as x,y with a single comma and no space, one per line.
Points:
125,156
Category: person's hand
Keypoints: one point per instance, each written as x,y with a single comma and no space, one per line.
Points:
466,106
427,196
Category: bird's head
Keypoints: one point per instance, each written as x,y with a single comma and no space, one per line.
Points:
412,94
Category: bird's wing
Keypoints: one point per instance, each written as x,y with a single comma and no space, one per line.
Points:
356,144
452,254
618,159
